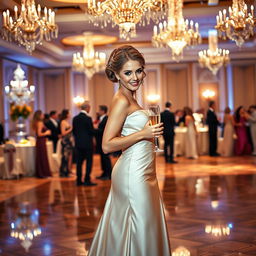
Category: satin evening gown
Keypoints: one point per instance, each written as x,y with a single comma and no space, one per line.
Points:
133,221
191,143
228,139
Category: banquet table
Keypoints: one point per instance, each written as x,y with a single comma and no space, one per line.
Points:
180,141
27,154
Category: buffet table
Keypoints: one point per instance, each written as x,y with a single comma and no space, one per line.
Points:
26,153
180,140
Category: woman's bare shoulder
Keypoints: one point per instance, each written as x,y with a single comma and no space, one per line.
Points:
120,101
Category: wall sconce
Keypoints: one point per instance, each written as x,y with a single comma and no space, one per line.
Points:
208,94
153,98
78,100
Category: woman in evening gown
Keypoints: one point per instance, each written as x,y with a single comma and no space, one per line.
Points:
242,144
66,144
133,221
191,144
42,163
228,137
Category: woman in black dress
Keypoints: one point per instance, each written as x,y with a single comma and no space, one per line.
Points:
42,163
66,144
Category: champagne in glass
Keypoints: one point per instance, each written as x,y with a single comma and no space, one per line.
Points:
154,118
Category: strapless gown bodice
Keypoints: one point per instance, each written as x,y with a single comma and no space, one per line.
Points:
133,221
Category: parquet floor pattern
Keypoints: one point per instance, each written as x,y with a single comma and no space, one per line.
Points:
210,206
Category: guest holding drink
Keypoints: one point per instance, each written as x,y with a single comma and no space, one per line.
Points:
42,163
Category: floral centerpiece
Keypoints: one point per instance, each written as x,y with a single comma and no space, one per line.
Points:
17,111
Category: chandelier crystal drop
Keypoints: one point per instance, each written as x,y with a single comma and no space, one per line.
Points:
29,27
213,58
239,25
18,91
90,62
176,33
126,14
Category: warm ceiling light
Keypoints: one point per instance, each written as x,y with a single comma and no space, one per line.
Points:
125,13
213,58
176,33
29,27
239,26
97,39
90,62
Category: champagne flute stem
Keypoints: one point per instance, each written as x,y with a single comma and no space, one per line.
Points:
156,143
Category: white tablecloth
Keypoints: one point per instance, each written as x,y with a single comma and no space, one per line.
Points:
26,153
180,140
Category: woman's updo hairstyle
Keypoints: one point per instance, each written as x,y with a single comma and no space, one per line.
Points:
119,57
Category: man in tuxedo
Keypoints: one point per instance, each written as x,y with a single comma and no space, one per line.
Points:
105,159
213,123
53,125
168,120
83,132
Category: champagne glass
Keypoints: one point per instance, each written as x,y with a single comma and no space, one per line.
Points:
154,118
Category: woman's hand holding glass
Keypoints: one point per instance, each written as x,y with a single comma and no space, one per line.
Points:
154,119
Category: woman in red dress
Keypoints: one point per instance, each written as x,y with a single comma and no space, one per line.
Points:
42,163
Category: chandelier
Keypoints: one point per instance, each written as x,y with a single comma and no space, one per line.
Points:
26,227
30,27
213,58
90,62
18,91
177,33
126,14
239,25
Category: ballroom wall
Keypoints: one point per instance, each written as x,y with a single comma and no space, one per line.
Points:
181,83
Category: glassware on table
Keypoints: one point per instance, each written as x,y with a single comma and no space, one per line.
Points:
154,118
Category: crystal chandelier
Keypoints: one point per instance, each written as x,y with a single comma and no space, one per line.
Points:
177,33
18,91
126,14
91,62
213,58
29,27
239,25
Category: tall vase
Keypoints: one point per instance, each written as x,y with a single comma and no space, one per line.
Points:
21,130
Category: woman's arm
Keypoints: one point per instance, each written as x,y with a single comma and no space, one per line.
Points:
111,138
63,125
40,126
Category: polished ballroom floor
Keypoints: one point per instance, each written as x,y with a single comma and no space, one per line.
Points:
210,207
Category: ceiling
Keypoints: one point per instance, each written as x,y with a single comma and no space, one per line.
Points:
73,20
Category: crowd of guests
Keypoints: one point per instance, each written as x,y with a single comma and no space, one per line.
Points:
239,131
75,139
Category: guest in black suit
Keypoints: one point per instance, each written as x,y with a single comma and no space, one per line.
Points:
1,134
213,123
83,132
168,119
106,165
53,125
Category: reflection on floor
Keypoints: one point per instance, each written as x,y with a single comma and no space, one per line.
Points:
210,208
